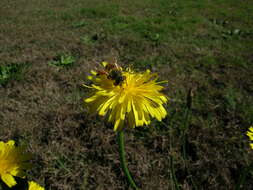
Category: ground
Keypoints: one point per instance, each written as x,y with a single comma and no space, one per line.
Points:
47,49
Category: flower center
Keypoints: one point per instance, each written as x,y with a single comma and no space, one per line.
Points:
5,166
129,88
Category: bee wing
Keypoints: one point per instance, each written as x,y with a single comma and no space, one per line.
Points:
117,66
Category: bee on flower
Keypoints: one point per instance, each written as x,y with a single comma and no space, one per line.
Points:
126,97
113,72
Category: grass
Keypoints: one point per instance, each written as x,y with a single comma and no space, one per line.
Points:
11,72
62,60
202,45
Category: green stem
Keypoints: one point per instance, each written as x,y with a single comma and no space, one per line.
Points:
243,176
174,178
185,127
123,160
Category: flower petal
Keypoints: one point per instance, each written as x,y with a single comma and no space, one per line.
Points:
9,180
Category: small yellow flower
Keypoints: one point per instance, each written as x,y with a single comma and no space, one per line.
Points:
13,162
34,186
250,135
133,102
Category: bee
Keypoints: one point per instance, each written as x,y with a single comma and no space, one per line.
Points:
113,72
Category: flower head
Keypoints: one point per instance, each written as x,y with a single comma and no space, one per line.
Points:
134,101
250,135
13,162
34,186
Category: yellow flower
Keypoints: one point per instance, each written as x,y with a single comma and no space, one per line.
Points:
133,102
250,135
13,162
34,186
